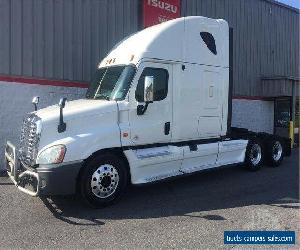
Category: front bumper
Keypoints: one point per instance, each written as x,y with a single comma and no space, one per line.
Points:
54,179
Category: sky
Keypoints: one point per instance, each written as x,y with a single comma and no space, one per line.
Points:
294,3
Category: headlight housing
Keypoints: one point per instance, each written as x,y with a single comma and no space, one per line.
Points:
52,155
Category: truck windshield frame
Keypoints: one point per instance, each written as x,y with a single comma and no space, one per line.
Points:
111,83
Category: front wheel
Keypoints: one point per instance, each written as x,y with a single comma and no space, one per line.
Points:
254,155
103,181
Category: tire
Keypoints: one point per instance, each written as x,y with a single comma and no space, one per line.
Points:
275,152
103,181
254,157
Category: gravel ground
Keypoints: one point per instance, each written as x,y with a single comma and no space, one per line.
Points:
191,212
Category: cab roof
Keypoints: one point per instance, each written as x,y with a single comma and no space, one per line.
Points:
179,40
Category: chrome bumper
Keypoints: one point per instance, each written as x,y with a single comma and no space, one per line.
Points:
20,176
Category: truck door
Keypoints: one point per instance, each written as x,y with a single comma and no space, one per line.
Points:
154,126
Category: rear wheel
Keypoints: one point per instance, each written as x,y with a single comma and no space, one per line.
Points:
254,155
274,152
104,179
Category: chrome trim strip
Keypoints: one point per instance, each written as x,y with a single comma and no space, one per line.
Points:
151,155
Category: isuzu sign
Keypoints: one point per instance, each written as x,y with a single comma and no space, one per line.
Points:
158,11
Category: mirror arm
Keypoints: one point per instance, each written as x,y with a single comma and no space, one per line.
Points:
62,125
141,109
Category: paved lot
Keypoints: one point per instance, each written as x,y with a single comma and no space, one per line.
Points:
190,212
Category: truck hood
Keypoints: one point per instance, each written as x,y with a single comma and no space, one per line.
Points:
77,109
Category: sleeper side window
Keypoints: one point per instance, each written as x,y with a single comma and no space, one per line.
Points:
209,40
160,77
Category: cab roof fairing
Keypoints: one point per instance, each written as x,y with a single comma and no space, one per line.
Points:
175,40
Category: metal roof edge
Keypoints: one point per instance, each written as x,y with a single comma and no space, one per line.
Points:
283,5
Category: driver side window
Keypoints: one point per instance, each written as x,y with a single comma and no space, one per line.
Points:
160,77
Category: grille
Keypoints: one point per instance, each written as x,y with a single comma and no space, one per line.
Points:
29,140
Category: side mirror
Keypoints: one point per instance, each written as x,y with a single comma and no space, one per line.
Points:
148,94
148,88
62,102
35,102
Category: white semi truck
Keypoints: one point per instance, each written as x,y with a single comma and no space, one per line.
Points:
158,107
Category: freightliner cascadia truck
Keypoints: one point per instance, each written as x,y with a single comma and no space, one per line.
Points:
157,107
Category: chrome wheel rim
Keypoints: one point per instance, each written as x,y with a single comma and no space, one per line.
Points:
104,181
255,154
277,151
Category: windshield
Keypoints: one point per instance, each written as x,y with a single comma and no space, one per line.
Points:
111,83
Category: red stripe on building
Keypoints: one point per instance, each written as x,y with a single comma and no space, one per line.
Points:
60,83
37,81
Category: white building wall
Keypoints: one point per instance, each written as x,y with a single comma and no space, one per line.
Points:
255,115
15,102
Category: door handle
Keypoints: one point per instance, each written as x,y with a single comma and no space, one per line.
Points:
167,128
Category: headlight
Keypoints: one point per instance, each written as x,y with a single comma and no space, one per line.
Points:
52,155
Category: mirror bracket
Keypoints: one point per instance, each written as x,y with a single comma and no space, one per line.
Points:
62,125
141,109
